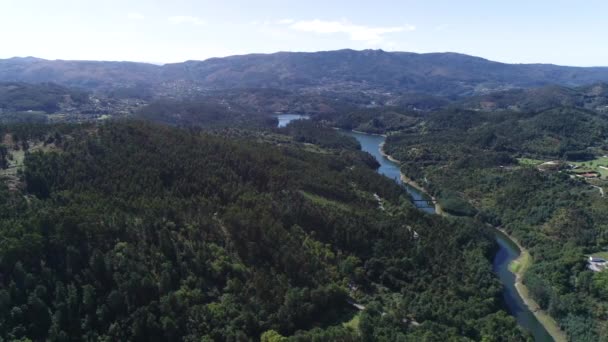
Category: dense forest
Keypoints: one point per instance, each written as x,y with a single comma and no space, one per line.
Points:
483,164
134,231
594,97
199,112
372,120
200,220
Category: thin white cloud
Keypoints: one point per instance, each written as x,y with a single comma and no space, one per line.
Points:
441,27
274,29
135,16
369,34
186,19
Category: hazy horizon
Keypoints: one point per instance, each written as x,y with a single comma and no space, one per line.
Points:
270,53
549,32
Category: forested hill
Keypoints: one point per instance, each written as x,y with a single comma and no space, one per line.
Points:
82,74
594,97
134,232
538,174
379,71
48,97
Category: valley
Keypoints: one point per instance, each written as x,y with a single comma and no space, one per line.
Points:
224,201
506,256
289,171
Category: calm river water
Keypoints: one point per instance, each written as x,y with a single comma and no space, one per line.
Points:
507,251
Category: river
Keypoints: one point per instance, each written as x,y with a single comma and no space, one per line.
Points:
371,144
507,251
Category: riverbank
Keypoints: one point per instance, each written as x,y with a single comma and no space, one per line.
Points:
361,132
386,155
507,253
519,267
405,179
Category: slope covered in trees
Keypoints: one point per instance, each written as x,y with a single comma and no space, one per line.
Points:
46,97
594,97
131,231
468,160
199,112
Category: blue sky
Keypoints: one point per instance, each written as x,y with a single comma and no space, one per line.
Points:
564,32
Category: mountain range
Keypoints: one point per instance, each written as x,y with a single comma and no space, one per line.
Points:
370,71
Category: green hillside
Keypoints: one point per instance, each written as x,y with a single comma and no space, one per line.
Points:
131,231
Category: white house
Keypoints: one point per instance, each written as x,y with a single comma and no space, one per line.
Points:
596,260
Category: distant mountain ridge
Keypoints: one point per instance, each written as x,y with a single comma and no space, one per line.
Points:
444,74
90,75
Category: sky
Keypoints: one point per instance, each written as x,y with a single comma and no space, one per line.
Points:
566,32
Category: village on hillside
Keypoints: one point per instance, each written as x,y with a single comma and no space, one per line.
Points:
594,172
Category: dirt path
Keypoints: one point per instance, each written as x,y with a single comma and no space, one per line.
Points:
600,189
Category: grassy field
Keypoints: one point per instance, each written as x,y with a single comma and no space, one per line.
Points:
354,322
583,167
594,165
529,161
324,201
603,255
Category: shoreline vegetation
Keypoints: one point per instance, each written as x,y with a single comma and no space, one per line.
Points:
405,179
361,132
518,266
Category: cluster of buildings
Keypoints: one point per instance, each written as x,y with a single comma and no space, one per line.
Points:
572,169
